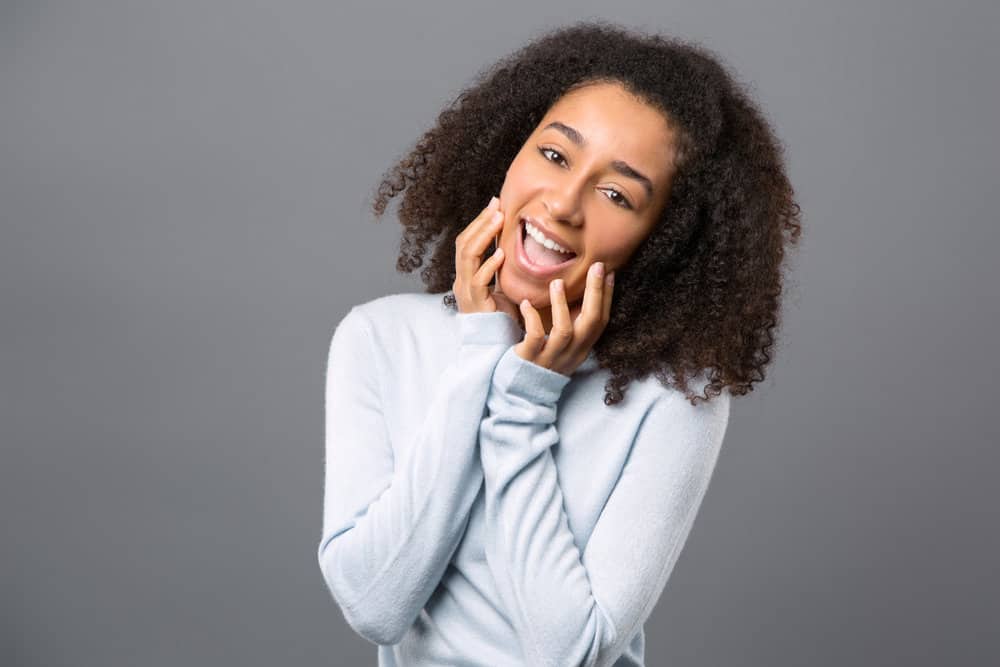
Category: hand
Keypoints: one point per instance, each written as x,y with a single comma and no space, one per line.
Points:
472,275
572,336
506,305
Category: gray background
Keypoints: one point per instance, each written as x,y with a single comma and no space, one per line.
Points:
183,192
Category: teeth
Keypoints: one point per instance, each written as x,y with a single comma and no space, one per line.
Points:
548,243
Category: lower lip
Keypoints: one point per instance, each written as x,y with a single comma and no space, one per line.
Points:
531,268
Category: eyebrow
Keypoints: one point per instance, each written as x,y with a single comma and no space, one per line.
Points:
620,166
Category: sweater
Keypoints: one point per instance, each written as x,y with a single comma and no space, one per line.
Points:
480,509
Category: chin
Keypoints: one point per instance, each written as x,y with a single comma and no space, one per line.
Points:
518,291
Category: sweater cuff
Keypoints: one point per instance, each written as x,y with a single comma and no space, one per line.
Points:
488,328
527,380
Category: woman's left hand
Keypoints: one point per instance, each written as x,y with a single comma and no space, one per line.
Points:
573,334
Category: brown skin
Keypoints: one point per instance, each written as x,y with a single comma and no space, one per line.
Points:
702,292
571,189
473,293
571,336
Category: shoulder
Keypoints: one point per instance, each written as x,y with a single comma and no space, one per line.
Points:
389,329
650,402
675,437
666,402
399,323
708,419
404,311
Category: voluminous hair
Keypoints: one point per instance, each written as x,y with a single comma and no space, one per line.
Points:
702,292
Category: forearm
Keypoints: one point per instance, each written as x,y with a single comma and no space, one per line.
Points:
384,555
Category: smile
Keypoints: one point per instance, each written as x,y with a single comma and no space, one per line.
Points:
531,268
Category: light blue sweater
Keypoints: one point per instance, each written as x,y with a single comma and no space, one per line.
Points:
480,509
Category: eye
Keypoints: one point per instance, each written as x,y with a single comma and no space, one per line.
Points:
544,152
622,201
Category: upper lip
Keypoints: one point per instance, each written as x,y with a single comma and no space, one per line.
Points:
548,232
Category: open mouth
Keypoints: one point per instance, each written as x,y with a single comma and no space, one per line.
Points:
537,257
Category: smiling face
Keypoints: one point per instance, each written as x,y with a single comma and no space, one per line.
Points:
593,177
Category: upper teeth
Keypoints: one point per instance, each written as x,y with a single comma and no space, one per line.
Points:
547,242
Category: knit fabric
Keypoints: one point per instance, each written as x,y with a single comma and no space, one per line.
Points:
480,509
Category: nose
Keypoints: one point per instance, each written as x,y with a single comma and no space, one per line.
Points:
562,202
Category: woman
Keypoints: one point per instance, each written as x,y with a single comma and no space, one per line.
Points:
481,506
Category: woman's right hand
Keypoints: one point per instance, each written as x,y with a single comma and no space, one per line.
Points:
472,279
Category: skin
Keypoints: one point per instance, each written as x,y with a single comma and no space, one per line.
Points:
573,190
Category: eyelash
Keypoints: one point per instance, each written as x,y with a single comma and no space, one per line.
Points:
623,203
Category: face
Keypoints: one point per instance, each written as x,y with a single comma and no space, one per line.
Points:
595,174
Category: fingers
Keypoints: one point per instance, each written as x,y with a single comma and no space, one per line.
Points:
489,267
471,286
593,298
477,233
562,326
480,219
473,241
486,229
573,332
534,332
609,289
595,311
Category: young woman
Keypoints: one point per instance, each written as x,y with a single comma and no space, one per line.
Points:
492,495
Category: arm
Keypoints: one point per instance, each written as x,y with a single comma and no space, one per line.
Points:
570,608
391,527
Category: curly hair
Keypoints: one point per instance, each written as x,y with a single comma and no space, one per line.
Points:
702,292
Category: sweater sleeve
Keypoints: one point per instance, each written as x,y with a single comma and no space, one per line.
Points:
390,527
568,607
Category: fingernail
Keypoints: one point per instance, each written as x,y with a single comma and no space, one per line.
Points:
557,284
493,202
599,269
611,279
497,215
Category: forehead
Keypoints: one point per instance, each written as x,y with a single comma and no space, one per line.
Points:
615,124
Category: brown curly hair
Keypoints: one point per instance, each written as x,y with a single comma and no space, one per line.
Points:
702,292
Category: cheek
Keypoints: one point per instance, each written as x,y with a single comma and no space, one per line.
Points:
613,248
521,178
